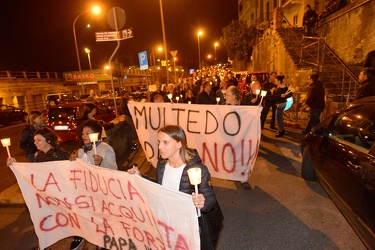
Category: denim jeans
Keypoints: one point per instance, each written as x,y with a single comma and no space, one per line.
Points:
314,119
266,109
279,116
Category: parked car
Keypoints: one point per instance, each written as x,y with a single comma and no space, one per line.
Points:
340,154
62,118
108,101
10,114
53,99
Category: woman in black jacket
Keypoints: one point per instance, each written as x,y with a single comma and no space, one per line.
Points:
35,120
175,159
281,94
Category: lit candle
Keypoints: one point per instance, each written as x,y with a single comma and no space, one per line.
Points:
257,91
195,179
189,102
217,100
177,98
263,93
94,139
6,144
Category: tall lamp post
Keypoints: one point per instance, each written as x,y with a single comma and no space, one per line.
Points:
216,44
88,56
164,39
199,50
96,11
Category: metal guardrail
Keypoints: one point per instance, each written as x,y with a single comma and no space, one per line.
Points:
9,75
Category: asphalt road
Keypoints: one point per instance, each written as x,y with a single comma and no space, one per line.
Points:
281,211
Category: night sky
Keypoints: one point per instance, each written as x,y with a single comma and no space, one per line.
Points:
38,35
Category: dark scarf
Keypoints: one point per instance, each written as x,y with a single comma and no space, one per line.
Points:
87,148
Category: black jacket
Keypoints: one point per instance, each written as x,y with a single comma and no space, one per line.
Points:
366,89
315,95
204,188
26,142
54,154
204,98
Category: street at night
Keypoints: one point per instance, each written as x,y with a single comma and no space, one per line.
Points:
281,211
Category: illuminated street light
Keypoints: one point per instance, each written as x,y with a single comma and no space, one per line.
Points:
95,10
88,56
199,50
164,38
216,44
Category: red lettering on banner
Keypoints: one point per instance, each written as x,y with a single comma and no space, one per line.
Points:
133,192
50,181
214,163
61,220
82,203
167,230
105,226
234,159
181,243
52,201
138,234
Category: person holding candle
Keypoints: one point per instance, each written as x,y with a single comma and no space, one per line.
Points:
105,155
206,96
176,158
253,97
35,120
223,88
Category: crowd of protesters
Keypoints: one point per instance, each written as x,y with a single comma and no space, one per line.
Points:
221,87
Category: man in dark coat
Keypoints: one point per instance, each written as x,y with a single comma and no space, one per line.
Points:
315,100
367,87
206,96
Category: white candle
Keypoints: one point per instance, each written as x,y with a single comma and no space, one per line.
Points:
257,91
170,96
263,93
177,98
217,100
94,139
6,144
195,179
189,102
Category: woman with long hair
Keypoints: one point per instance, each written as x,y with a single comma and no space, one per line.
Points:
174,161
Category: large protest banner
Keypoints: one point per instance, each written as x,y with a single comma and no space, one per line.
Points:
109,208
227,137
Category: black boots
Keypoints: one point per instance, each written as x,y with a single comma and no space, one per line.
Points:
280,133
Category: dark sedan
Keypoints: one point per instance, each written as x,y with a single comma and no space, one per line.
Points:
10,114
339,153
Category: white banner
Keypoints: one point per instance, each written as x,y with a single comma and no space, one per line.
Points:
109,208
227,137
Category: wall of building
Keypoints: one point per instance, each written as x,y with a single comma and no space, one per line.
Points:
350,32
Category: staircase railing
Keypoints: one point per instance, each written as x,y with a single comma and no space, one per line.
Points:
347,81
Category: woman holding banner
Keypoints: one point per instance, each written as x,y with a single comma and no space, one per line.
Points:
172,172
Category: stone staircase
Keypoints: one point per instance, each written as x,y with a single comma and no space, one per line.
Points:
313,53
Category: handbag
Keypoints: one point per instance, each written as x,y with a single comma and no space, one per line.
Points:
210,224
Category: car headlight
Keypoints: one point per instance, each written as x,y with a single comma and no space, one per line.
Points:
61,127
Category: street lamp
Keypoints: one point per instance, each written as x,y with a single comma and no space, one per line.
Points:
216,44
88,56
174,66
164,38
95,10
199,50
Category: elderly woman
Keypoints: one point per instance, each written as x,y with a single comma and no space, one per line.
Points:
175,160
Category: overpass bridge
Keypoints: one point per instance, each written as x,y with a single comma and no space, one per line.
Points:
28,90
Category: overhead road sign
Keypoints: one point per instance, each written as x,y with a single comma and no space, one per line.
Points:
104,36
